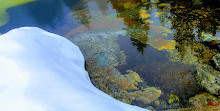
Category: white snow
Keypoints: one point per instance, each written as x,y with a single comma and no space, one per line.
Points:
41,71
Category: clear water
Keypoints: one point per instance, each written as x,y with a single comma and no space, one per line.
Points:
163,42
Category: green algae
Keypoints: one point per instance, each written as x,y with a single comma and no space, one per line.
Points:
173,98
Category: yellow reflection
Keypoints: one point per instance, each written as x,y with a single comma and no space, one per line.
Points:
143,14
158,14
163,44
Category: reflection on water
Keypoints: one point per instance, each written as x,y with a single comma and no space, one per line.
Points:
169,45
5,4
47,14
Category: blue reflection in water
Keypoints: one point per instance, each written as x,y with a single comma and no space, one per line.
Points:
46,14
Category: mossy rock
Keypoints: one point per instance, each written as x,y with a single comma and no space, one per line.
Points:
209,78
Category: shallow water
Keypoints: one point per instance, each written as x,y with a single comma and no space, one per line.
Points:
164,40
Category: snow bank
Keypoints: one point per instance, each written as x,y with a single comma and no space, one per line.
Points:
41,71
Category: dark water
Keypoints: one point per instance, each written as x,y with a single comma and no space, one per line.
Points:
164,42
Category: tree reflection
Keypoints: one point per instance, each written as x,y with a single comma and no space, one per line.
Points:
82,13
134,14
190,22
140,46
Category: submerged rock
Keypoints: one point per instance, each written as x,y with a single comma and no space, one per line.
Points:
150,108
101,45
209,78
102,54
129,81
204,102
147,95
216,59
201,102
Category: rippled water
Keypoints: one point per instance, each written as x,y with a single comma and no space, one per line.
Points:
164,41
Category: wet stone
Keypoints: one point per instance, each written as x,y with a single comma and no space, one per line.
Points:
216,59
209,78
204,102
148,95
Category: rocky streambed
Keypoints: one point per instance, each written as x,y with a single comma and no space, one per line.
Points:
103,55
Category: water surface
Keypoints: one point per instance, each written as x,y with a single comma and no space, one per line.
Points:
164,40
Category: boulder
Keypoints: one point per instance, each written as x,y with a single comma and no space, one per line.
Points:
209,78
